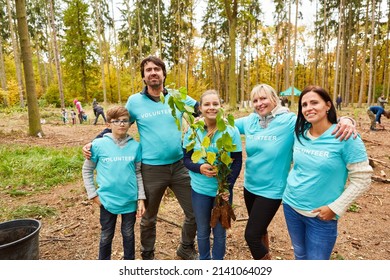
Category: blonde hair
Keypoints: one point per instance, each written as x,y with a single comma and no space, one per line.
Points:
209,92
269,92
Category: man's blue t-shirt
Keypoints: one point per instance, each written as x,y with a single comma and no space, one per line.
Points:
159,136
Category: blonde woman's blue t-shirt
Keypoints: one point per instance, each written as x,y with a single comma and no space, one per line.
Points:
199,182
320,170
269,153
160,137
116,177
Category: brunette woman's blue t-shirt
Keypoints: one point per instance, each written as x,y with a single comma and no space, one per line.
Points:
269,153
199,182
159,136
116,177
320,170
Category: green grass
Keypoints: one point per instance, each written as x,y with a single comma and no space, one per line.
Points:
25,169
27,211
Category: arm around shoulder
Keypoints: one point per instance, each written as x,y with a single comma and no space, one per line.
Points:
360,181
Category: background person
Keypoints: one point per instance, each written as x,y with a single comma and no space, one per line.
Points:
73,116
117,159
80,111
339,100
316,196
94,103
375,114
99,111
64,115
382,101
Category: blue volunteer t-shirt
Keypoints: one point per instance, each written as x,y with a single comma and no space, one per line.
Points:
320,170
199,182
159,136
116,178
269,153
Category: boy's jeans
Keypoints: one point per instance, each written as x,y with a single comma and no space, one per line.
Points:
108,222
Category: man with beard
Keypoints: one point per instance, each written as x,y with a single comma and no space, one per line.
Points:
162,157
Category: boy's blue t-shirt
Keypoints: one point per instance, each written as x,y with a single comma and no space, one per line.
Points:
159,136
320,170
269,153
116,177
199,182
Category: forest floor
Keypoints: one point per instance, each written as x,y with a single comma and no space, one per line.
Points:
73,234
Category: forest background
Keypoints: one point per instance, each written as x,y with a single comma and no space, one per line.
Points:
93,49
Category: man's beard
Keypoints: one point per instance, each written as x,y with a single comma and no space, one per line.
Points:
155,84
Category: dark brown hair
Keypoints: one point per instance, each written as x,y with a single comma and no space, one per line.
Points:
156,61
301,124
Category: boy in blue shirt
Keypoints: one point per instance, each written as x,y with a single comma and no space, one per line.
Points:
117,160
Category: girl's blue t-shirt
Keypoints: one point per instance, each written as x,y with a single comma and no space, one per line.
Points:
320,170
199,182
269,153
116,177
159,136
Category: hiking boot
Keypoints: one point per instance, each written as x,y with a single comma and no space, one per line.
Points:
373,128
187,252
147,255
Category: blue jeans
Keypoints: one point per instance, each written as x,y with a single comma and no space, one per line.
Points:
312,238
108,222
202,206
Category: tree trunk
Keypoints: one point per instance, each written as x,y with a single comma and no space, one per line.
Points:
325,41
288,53
56,54
16,55
370,79
159,29
32,102
118,75
131,59
386,80
363,68
242,71
101,53
231,8
338,47
3,79
294,53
